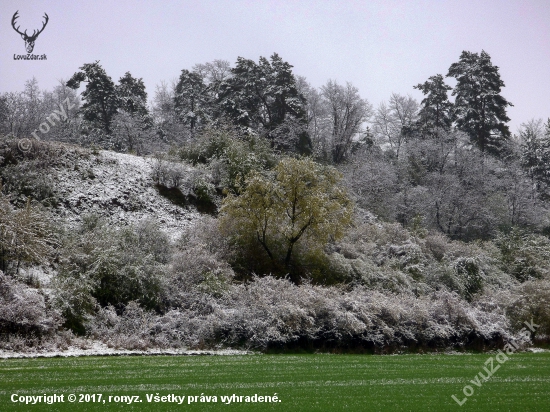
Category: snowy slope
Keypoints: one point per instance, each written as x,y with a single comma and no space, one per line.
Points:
119,187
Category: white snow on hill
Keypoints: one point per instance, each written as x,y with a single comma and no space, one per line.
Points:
119,187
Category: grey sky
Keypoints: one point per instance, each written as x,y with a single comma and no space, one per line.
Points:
379,46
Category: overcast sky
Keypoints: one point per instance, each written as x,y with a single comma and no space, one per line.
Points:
380,46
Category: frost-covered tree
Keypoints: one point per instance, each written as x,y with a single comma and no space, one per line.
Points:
346,114
394,120
3,109
263,96
132,123
132,95
213,73
435,112
315,118
100,96
24,111
535,152
480,109
192,101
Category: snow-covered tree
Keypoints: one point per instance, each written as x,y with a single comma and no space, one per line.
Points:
535,152
263,96
480,109
394,120
100,96
435,113
132,123
346,114
192,101
132,95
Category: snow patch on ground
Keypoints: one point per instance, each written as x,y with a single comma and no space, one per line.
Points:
100,349
537,350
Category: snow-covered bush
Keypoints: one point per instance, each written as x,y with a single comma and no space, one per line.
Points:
230,154
532,303
32,172
25,235
25,316
111,266
199,264
525,255
387,257
129,330
274,313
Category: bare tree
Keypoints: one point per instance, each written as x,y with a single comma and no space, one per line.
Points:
316,115
213,72
346,113
394,120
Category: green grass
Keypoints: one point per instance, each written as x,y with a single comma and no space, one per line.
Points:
302,382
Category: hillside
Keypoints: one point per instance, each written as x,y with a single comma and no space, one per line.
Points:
78,182
120,273
118,186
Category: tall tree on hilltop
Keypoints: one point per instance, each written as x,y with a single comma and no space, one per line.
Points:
132,95
192,100
394,121
265,97
100,97
132,123
436,110
480,110
347,112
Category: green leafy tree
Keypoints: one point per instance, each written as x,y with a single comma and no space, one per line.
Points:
480,109
100,96
300,201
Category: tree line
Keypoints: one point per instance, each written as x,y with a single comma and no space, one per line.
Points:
449,165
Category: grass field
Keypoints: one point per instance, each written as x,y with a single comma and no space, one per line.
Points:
301,382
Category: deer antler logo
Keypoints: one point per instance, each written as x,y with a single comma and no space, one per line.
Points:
29,40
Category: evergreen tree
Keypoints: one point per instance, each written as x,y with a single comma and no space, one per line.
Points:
535,153
480,110
100,96
436,110
192,100
132,95
264,97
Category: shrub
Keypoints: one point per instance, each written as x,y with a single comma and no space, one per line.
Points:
25,235
112,267
300,201
532,304
24,311
231,155
524,255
